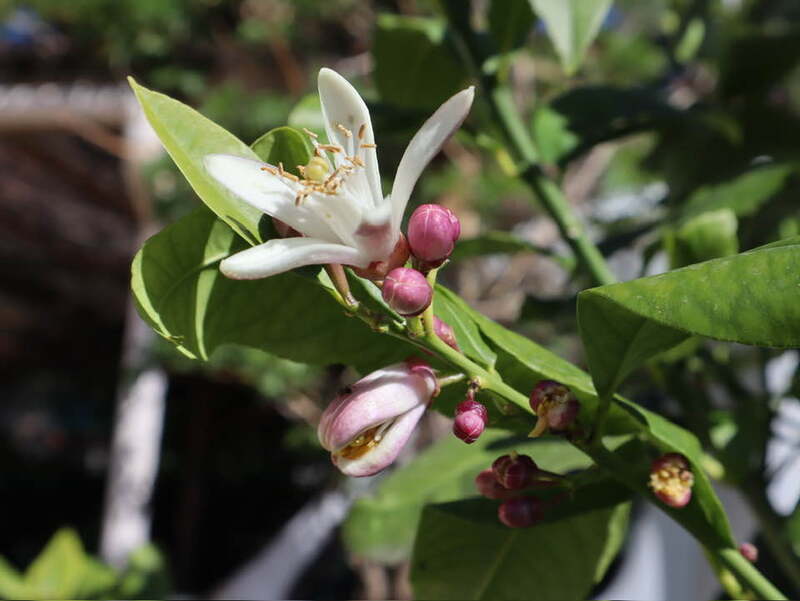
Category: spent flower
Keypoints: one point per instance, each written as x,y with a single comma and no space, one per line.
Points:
671,479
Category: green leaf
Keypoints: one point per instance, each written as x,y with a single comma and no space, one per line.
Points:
382,526
59,569
510,21
707,236
449,307
179,290
748,298
744,195
414,68
571,25
284,145
188,137
463,552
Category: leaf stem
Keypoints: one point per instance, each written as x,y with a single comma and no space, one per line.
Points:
747,574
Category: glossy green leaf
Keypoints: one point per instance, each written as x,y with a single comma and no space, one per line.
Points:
382,526
571,25
510,21
181,293
748,298
188,137
450,308
463,552
743,195
414,68
284,145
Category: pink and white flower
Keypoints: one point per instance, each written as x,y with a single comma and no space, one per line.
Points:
367,425
338,206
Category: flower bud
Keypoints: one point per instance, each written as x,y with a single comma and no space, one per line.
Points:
514,471
377,270
468,426
368,424
407,291
555,406
749,551
432,232
671,479
445,332
521,512
489,487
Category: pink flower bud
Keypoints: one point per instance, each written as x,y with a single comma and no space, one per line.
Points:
432,232
445,332
490,488
514,471
407,291
468,426
749,551
377,270
520,513
367,425
671,479
555,405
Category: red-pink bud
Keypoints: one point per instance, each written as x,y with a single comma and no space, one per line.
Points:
555,405
407,291
468,426
671,479
490,488
514,471
377,270
474,406
520,513
749,551
432,232
445,332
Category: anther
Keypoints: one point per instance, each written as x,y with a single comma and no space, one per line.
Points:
269,170
361,131
344,130
369,146
310,133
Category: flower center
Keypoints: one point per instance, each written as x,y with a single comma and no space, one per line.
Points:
318,176
365,441
671,480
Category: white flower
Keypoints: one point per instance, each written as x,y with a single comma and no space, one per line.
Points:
339,209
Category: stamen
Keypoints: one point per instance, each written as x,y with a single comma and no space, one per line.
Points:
269,170
310,133
330,147
356,161
368,146
344,130
361,131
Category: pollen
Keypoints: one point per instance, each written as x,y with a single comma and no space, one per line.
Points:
361,444
671,479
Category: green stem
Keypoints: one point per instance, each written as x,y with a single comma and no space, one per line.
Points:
428,319
747,574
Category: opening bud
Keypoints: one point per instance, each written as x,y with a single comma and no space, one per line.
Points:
470,421
446,333
407,291
749,551
515,471
555,406
432,232
671,479
520,513
377,270
489,487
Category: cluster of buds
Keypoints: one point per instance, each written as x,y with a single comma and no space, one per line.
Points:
671,479
508,480
432,233
554,405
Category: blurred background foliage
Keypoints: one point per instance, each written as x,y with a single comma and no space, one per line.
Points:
675,134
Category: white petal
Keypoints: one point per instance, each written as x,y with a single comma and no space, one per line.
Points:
342,105
279,255
425,145
267,192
